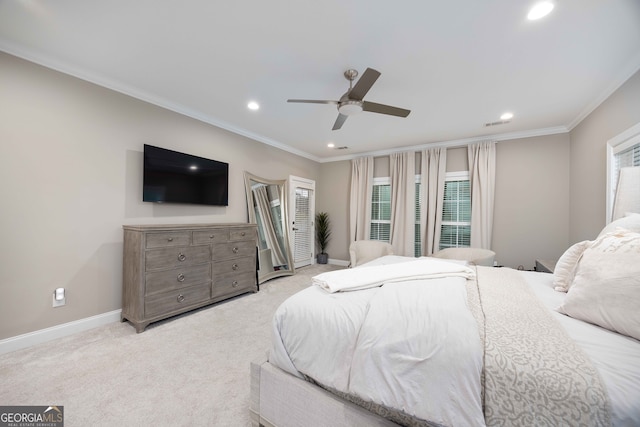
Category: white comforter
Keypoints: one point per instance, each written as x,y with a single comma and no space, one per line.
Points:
390,346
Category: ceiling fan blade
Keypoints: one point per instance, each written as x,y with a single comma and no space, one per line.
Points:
363,84
312,101
372,107
339,121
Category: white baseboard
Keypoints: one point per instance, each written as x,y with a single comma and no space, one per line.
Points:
339,262
43,335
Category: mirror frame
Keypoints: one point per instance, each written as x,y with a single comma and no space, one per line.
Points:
248,178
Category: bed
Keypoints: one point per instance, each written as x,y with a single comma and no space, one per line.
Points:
405,341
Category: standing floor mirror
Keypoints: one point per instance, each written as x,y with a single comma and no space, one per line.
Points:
267,207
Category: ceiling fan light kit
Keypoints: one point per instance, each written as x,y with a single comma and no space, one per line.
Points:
350,107
352,101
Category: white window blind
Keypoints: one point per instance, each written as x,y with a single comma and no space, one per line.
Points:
456,212
302,241
381,210
628,157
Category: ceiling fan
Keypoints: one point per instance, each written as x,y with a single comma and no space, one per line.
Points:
352,101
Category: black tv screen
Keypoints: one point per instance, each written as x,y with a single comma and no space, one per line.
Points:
173,177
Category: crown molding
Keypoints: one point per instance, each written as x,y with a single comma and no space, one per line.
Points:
455,143
149,98
626,73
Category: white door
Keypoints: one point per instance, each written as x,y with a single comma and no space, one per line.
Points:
301,217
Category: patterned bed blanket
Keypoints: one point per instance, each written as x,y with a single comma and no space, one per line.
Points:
534,374
445,351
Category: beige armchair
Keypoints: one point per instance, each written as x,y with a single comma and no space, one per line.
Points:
477,256
362,251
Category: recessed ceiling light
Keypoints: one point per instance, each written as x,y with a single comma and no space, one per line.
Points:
331,145
253,106
193,167
506,116
540,10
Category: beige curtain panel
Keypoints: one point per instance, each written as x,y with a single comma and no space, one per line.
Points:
482,174
433,169
360,198
403,193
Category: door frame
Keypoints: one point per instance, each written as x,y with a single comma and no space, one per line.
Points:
308,184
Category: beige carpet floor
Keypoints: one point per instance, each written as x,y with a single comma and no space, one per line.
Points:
191,370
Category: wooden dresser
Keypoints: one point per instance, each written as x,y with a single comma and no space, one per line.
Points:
170,269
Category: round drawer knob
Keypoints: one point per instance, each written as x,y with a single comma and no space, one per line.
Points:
170,239
235,250
243,234
180,277
211,236
235,267
181,257
234,284
180,298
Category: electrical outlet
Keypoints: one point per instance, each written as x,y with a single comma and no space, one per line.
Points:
59,297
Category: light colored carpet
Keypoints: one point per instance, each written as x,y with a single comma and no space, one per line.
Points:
191,370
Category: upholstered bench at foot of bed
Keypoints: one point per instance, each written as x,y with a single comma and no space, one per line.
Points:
476,256
280,399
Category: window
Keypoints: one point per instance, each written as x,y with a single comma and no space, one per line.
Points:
456,212
381,210
456,215
622,151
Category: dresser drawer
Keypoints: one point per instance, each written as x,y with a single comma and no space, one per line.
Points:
168,239
240,265
229,284
212,235
178,278
233,250
248,233
174,257
168,302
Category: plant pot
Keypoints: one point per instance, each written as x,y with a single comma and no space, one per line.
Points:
323,258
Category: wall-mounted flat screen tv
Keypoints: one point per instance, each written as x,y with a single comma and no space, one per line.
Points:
173,177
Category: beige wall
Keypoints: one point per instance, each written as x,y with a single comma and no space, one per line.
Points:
332,196
71,176
457,159
531,215
589,158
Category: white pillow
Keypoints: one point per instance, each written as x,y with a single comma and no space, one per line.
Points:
606,286
631,222
565,267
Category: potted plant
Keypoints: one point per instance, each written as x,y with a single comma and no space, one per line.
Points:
323,233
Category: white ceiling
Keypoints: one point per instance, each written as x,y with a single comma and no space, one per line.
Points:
456,64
